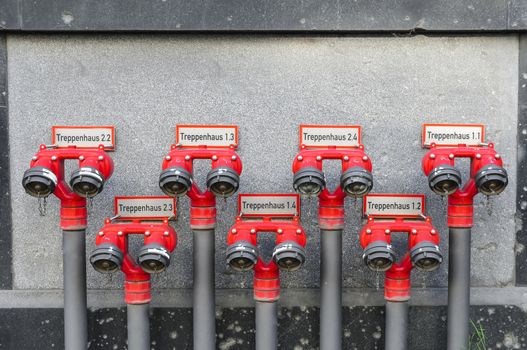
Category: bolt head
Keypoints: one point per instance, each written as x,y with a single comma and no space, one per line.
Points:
433,232
187,157
299,231
233,230
100,158
497,156
368,231
147,233
478,156
253,230
234,157
300,158
166,233
414,231
365,158
81,157
432,156
451,156
279,231
346,158
387,231
168,157
319,158
53,157
34,158
101,233
120,233
214,157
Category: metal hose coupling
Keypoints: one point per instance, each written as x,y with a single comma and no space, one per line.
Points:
289,255
378,256
241,256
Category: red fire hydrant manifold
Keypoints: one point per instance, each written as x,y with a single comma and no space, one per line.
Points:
288,253
46,176
423,252
112,254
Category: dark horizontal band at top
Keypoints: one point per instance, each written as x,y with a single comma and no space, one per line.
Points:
265,16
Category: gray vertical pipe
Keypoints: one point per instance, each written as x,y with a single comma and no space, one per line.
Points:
458,288
203,303
331,289
75,308
396,325
266,325
138,323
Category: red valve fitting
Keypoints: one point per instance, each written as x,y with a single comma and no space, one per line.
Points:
486,176
112,253
423,252
266,281
288,254
176,180
290,243
309,180
46,176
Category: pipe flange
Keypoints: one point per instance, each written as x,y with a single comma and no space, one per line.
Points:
289,255
426,256
106,258
378,256
175,181
153,258
491,179
444,179
223,181
87,182
309,181
356,182
39,181
241,256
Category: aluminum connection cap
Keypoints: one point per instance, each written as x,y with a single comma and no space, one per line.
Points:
87,182
153,258
426,256
309,181
378,256
39,181
289,255
175,181
356,181
444,179
106,258
491,179
241,256
223,181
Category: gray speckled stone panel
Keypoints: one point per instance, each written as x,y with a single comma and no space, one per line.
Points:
145,85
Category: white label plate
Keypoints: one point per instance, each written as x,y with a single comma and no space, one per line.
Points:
218,136
89,137
322,136
394,205
147,207
453,134
269,205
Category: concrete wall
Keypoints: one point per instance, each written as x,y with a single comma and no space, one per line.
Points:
145,85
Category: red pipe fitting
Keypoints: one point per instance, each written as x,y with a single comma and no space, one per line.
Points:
355,181
423,252
486,176
288,254
46,173
176,180
266,281
112,252
397,283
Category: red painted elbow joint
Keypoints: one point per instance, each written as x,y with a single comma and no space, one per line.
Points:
288,254
46,176
112,253
176,180
487,176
